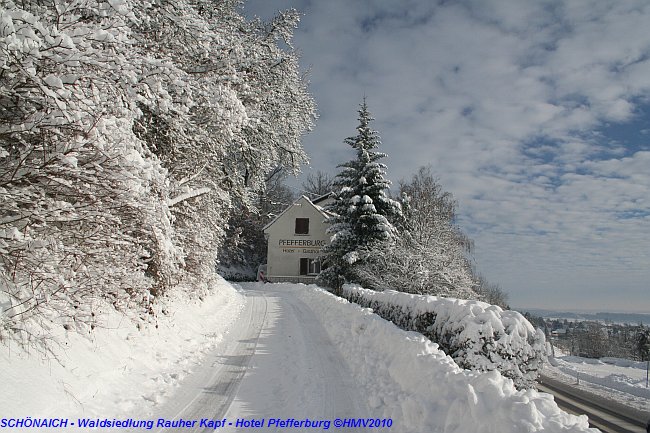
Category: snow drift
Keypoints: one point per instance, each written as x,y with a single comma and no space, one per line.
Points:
477,335
622,375
117,369
408,378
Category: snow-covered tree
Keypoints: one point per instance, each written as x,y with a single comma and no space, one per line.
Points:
490,292
429,256
245,245
237,108
129,131
318,184
642,343
431,231
362,211
82,204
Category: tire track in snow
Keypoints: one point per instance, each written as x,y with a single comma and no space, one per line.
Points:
277,361
209,391
298,372
605,415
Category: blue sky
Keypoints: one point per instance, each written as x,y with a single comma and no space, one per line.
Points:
534,114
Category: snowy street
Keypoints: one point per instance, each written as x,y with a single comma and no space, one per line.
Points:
277,362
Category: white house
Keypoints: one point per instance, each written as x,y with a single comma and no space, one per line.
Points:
295,239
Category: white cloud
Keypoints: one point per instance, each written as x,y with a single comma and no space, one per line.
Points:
504,98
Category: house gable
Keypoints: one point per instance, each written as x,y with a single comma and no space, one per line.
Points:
302,201
295,239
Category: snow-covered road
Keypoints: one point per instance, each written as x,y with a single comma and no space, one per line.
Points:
277,362
607,415
209,391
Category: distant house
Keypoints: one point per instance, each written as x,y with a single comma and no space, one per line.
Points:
295,239
560,332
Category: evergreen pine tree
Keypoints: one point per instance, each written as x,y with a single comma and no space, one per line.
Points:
362,212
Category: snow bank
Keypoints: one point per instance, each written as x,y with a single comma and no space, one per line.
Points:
116,369
622,362
477,335
614,373
408,378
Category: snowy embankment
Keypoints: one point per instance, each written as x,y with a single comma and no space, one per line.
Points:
117,369
408,378
477,335
617,374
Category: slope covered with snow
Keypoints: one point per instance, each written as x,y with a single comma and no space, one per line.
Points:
117,368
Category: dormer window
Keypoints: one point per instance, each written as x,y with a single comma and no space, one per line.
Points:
302,226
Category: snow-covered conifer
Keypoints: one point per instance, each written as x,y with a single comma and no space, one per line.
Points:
362,212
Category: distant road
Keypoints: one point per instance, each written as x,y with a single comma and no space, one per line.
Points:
606,415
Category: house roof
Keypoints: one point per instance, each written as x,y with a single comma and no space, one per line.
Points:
301,198
322,198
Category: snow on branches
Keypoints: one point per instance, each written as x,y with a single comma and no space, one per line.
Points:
78,215
430,254
128,131
362,212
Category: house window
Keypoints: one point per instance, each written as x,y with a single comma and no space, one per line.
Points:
302,226
309,266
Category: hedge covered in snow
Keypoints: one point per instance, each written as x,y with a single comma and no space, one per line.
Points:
477,335
406,377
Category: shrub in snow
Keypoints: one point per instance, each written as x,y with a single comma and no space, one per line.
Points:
478,336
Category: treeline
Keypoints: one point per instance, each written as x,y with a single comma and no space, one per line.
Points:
130,132
592,339
595,340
